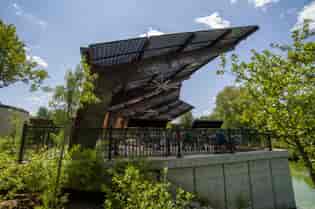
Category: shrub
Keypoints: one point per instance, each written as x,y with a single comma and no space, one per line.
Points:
8,145
36,176
132,190
83,170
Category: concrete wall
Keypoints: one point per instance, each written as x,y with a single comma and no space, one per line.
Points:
6,114
262,179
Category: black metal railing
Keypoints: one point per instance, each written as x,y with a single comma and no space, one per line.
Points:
151,142
167,142
39,138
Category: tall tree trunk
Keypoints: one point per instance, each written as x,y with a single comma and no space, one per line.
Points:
307,161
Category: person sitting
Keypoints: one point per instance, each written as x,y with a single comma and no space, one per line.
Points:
220,142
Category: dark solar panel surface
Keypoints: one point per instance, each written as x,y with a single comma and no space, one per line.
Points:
138,101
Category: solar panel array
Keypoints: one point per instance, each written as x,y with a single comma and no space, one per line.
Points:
141,99
124,51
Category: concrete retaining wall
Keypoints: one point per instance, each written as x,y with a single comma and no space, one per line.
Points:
261,179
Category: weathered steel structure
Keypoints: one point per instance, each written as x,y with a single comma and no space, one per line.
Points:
141,78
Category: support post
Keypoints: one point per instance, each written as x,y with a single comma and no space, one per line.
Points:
66,137
178,138
22,146
168,148
269,141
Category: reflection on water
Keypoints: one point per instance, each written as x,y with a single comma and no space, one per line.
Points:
304,189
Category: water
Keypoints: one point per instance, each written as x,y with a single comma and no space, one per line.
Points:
303,187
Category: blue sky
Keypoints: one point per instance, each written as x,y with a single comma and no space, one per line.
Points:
54,31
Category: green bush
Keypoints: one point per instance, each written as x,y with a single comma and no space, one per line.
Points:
128,185
83,170
132,190
8,145
36,176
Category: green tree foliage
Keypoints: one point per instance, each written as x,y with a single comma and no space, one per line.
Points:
14,65
77,91
231,102
170,125
43,112
88,179
281,88
186,120
132,190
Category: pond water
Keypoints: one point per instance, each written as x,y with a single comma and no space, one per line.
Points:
303,188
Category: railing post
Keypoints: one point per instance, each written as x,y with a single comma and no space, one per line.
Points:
110,143
269,141
178,139
168,148
115,142
22,146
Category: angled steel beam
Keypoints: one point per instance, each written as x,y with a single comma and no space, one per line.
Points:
186,76
145,45
182,112
170,107
249,32
186,43
147,104
168,114
133,102
159,112
171,77
157,107
219,38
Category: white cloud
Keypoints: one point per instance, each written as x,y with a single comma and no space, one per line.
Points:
214,21
40,61
258,3
19,11
151,32
262,3
307,13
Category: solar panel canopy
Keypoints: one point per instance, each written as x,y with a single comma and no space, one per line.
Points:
146,73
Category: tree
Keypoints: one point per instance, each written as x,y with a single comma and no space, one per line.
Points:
281,88
186,120
14,64
43,112
231,102
77,91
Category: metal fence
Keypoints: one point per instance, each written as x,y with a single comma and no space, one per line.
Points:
167,142
40,138
151,142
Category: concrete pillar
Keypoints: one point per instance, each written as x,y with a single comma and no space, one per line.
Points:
210,185
282,183
261,183
237,185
